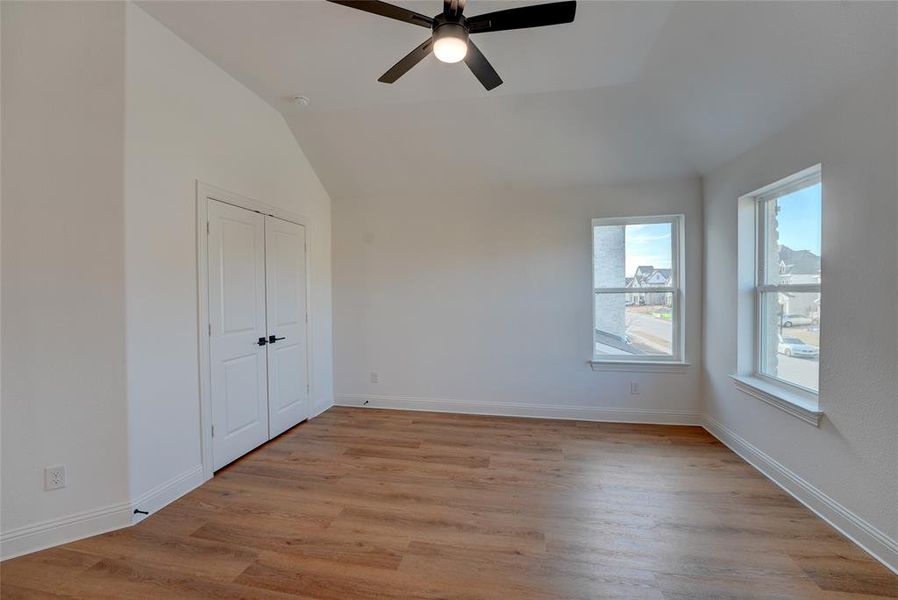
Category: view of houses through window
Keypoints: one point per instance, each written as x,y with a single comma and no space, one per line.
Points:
788,282
636,287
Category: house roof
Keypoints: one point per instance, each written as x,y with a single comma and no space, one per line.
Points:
646,273
799,262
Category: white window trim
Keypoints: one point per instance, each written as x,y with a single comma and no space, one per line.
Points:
675,363
774,394
656,366
793,399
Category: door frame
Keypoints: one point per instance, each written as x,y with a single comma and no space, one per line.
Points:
204,193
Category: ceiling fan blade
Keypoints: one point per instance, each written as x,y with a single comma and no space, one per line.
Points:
407,62
538,15
481,67
388,10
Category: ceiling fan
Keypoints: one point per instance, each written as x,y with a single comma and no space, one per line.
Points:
450,30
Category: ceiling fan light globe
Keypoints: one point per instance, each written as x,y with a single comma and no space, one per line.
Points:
450,42
450,49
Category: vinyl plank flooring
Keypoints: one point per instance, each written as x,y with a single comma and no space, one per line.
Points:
363,504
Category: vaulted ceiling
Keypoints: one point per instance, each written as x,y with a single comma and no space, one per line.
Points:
630,90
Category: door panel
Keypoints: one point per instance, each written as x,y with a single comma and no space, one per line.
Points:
288,376
238,276
236,251
286,301
241,382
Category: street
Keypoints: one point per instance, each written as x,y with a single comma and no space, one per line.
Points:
648,333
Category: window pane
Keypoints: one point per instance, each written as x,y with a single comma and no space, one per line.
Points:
634,324
633,255
790,337
793,236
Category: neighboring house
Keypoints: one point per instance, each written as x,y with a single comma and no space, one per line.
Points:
647,276
799,266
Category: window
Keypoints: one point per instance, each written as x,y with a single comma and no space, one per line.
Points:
636,285
787,282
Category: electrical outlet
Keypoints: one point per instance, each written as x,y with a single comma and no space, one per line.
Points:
374,377
634,388
54,477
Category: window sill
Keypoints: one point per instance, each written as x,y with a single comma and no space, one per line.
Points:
790,402
658,366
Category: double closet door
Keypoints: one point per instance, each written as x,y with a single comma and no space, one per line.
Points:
258,328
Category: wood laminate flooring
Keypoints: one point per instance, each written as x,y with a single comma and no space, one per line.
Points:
373,504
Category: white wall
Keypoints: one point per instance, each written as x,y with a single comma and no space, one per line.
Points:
187,119
851,459
63,364
108,121
481,302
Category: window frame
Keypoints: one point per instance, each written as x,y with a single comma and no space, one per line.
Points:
762,199
677,355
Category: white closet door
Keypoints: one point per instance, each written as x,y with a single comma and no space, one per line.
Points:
237,317
288,377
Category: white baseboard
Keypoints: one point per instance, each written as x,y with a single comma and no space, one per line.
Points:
542,411
167,492
62,530
872,540
53,532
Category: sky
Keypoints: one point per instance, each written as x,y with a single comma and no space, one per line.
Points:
798,222
647,244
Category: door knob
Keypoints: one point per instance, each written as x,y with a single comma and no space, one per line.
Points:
262,341
272,339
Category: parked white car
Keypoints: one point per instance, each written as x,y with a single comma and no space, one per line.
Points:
791,346
793,320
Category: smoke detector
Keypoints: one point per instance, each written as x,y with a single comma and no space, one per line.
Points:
300,100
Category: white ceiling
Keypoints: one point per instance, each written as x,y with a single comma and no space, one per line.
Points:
630,90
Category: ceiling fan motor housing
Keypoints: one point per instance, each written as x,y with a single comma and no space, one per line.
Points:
443,28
